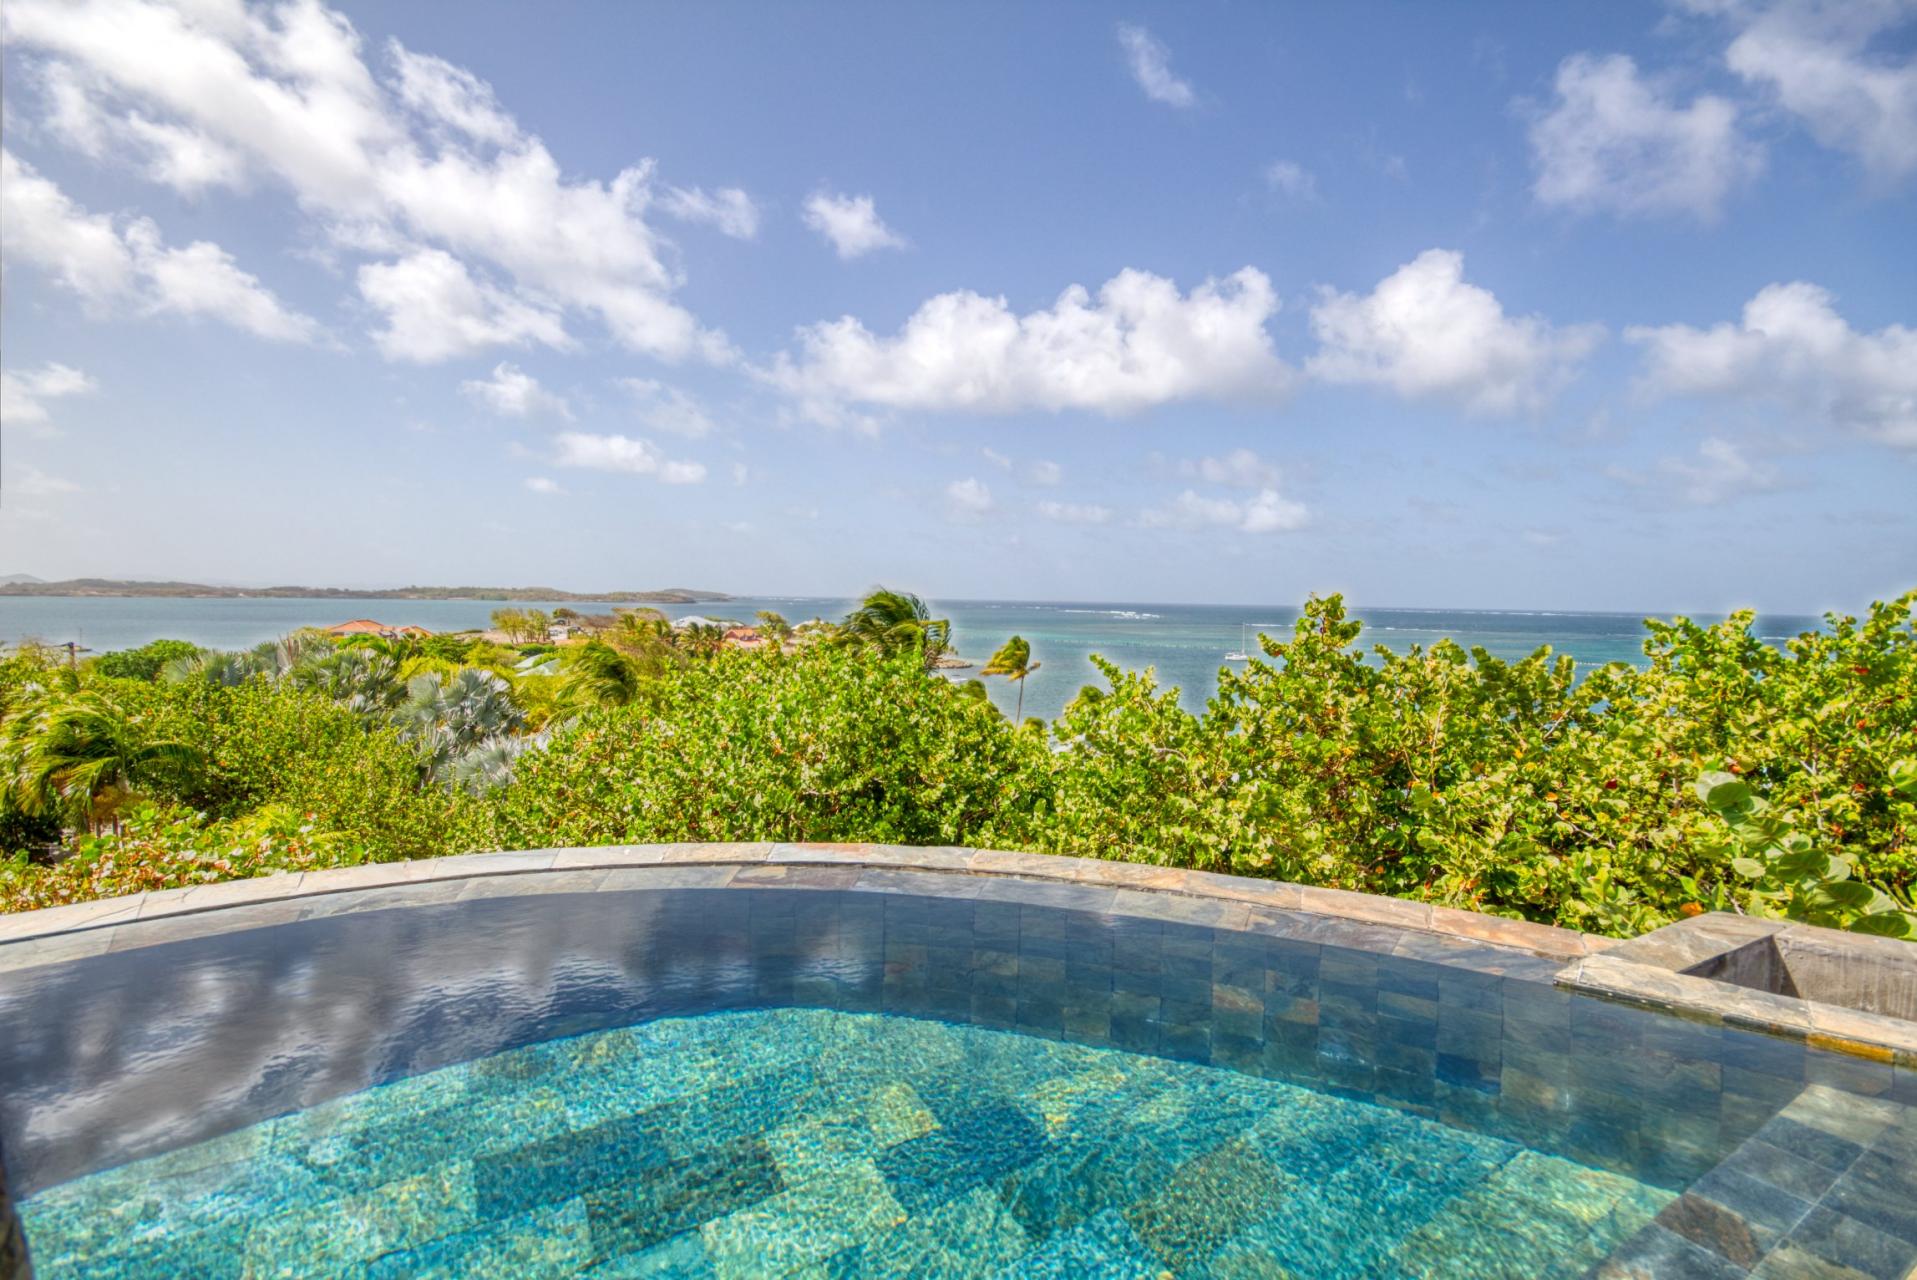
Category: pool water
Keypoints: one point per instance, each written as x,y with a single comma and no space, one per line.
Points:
836,1144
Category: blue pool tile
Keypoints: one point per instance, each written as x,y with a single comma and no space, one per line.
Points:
970,1147
1104,1246
661,1202
557,1169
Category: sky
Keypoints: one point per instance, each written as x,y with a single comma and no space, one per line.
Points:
1575,306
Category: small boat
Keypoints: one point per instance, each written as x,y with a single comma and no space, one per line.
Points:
1246,650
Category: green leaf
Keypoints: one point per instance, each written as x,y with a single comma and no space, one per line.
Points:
1850,893
1733,797
1709,782
1903,778
1885,924
1749,868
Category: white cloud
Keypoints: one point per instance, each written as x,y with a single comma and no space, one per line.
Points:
82,250
622,453
967,499
1241,469
1264,512
429,159
665,408
1618,143
451,96
185,159
23,395
996,458
31,482
851,223
1720,471
513,393
1293,180
1075,512
1792,347
729,210
1269,513
1424,332
741,473
436,310
105,266
1043,472
544,485
1139,343
1542,537
1150,62
1816,61
203,280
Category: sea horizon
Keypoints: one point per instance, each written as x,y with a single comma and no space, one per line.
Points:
1185,644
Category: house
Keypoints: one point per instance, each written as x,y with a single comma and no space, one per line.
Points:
744,637
368,627
694,620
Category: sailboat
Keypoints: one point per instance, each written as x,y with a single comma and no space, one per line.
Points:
1243,652
1246,650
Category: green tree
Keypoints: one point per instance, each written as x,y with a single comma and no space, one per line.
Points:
598,675
774,627
522,626
894,622
364,680
145,662
448,716
1013,661
84,755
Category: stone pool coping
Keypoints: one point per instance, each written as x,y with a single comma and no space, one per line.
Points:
1651,971
769,864
1636,972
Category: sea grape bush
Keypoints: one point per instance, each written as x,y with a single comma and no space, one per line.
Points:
170,847
1790,876
828,744
1510,787
1528,788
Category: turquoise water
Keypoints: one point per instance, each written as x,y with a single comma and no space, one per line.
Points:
820,1143
1186,644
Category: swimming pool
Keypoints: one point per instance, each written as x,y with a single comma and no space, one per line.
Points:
904,1074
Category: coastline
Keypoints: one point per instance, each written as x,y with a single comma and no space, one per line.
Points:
128,589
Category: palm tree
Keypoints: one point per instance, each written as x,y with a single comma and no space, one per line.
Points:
222,670
898,622
78,748
360,679
447,717
774,627
599,675
702,639
645,637
1013,661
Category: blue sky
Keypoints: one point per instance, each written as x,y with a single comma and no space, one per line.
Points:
1600,306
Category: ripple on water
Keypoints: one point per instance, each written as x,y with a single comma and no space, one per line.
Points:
846,1145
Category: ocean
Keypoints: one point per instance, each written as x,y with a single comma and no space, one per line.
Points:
1185,643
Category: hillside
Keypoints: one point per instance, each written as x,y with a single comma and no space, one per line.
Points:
23,586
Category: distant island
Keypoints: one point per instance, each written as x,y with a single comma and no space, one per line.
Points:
24,585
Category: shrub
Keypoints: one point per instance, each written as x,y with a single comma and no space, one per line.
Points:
827,744
145,662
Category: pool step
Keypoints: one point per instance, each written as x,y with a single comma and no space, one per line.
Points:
1824,1188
